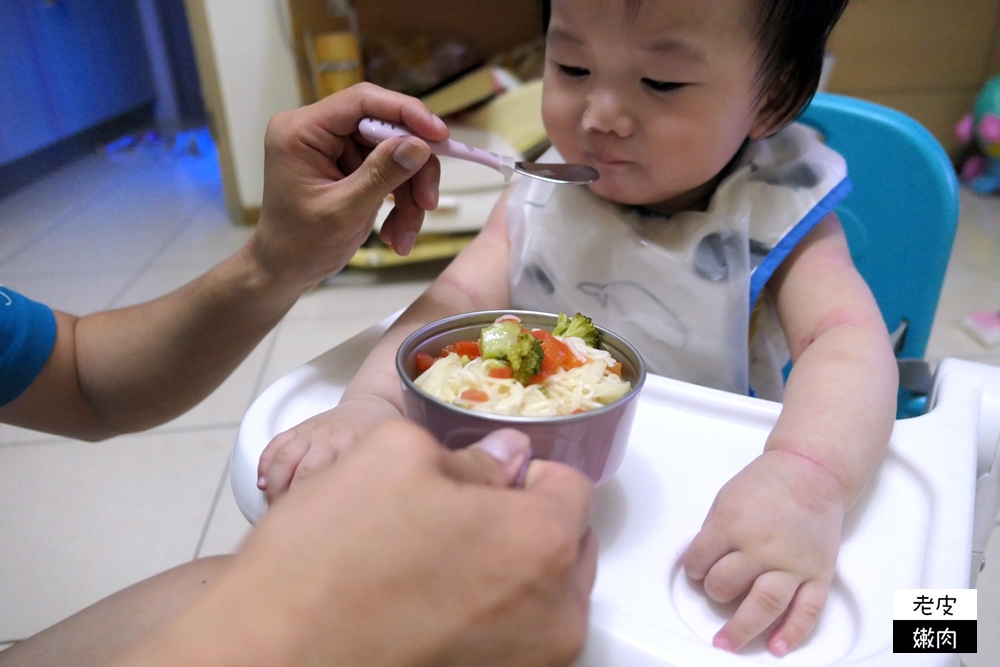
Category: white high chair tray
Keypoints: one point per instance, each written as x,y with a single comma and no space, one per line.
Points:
911,529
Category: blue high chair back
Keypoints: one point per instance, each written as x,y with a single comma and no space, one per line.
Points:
900,218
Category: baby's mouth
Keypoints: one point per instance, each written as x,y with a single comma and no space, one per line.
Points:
607,160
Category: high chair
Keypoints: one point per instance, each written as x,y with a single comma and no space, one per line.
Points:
899,220
923,522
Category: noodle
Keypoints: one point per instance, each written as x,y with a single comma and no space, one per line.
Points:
586,387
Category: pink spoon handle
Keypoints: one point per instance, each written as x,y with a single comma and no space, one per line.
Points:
379,130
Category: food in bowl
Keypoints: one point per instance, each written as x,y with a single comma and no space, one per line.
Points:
592,440
511,370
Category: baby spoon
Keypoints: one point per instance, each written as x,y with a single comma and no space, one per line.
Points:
571,174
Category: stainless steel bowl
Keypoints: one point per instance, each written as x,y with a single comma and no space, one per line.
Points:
593,442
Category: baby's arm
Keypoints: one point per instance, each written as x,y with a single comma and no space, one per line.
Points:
774,529
475,280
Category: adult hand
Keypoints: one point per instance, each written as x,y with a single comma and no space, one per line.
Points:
773,530
324,183
404,554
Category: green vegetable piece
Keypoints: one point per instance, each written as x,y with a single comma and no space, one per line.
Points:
525,357
578,326
505,341
496,339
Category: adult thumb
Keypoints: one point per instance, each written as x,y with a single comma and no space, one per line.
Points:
388,166
500,459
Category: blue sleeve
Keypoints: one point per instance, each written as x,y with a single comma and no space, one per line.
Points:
27,336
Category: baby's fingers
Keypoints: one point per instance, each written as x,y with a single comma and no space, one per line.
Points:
802,615
768,598
267,457
706,549
283,463
731,577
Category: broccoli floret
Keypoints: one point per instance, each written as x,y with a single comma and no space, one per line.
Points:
579,326
507,342
525,357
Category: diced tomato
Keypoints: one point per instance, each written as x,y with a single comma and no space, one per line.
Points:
554,355
571,361
475,395
558,354
536,379
463,348
424,361
467,348
502,372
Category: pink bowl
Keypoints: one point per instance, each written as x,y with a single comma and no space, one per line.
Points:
593,442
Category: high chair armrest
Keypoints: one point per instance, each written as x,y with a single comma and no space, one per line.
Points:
985,381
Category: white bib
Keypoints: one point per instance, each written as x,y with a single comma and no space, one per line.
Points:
680,288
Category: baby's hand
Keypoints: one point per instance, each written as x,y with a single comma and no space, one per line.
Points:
773,530
316,443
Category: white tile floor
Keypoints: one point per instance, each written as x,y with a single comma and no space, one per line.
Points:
79,521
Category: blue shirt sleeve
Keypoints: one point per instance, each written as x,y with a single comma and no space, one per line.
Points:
27,336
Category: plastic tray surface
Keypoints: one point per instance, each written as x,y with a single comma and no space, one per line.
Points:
911,528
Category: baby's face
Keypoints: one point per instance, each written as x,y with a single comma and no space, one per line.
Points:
657,100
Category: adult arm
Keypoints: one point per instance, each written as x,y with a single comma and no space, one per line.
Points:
133,368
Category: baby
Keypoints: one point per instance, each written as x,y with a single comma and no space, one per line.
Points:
710,243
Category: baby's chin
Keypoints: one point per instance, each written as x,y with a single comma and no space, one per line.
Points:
626,195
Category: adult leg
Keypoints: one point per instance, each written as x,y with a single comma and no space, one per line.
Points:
93,636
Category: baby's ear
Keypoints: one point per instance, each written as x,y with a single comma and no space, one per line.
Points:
773,111
771,118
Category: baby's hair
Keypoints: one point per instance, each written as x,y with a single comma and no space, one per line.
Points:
791,41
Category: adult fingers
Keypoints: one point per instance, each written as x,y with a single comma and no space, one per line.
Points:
388,167
425,184
339,114
571,491
730,577
399,229
496,460
411,200
586,571
802,615
768,598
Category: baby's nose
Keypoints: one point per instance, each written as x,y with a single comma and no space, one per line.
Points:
606,113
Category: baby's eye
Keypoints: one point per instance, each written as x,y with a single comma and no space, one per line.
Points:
661,86
574,72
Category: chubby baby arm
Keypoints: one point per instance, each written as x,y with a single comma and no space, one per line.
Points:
475,280
774,530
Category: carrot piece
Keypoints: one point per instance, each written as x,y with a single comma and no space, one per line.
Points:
467,348
502,372
616,369
424,361
475,395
